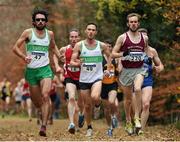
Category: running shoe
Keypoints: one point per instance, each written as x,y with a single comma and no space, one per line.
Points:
38,122
71,128
110,132
42,131
89,132
97,112
81,120
140,132
129,128
77,129
114,122
137,123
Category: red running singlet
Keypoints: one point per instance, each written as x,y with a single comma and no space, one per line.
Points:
70,72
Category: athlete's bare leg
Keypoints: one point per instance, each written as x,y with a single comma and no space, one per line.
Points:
71,89
107,112
45,88
137,89
146,98
118,108
96,91
7,103
50,121
76,114
80,103
29,108
127,91
87,105
112,97
36,96
95,94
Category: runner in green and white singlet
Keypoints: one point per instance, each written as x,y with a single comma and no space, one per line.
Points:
37,48
91,67
90,53
38,72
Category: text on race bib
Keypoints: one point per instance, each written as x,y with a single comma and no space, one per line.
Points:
89,67
37,55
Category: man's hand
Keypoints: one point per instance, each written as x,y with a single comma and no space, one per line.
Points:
157,69
149,61
126,53
59,70
28,59
107,73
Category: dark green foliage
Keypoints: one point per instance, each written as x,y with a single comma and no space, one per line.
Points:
161,31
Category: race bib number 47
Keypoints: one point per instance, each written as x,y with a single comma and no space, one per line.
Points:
37,55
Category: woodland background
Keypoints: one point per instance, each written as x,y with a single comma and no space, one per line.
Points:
160,17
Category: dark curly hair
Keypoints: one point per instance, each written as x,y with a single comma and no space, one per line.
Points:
39,10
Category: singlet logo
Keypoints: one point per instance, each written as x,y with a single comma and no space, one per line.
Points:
84,52
45,41
34,41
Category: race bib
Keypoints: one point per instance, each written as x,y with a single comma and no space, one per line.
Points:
73,69
37,55
89,67
136,56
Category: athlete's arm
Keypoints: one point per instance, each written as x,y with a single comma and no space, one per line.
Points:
146,42
56,62
57,80
74,58
106,51
16,48
53,45
157,62
116,49
119,65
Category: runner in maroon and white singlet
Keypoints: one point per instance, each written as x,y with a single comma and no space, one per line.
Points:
131,47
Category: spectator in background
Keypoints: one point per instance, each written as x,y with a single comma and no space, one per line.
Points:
26,102
6,91
17,94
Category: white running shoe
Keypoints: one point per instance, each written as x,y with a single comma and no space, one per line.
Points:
89,133
137,122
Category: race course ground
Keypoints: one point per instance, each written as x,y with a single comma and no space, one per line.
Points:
20,129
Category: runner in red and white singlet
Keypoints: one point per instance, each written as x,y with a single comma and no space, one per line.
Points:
71,75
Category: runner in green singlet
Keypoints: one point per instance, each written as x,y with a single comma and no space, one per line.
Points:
90,52
38,41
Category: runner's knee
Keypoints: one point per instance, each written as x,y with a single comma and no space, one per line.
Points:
46,98
76,109
72,100
88,106
146,106
95,98
111,102
137,90
107,110
127,102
